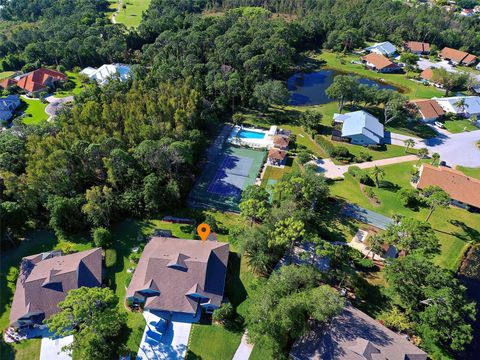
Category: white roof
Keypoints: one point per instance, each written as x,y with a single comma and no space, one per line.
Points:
472,104
384,48
361,122
107,71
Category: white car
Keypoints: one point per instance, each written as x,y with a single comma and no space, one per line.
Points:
439,124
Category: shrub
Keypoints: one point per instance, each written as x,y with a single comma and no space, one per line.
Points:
374,147
102,237
341,153
365,263
363,156
370,193
134,257
355,171
325,145
224,313
365,179
395,320
304,157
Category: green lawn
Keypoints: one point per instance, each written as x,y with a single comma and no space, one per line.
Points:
34,110
212,342
4,74
412,89
131,16
473,172
74,78
454,227
458,126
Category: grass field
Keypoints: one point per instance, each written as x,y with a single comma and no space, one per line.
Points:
412,89
131,15
4,74
472,172
454,227
72,77
34,111
458,126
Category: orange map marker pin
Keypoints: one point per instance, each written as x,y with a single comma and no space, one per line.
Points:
203,230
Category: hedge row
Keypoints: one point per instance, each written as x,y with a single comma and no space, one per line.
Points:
325,144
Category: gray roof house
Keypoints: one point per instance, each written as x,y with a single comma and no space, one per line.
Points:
360,127
353,335
45,279
8,105
385,48
180,276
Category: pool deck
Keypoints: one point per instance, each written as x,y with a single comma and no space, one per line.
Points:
265,142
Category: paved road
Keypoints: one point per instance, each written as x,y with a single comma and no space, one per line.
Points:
366,216
332,171
454,149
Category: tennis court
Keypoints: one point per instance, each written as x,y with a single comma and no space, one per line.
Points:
225,176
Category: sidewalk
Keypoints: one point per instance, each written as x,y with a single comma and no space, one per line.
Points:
244,349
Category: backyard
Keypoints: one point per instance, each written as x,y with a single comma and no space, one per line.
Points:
455,227
34,111
129,11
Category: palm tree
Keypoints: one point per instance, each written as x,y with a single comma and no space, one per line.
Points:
378,173
461,104
435,158
422,154
408,144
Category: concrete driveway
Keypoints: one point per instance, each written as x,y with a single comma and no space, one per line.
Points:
171,345
51,348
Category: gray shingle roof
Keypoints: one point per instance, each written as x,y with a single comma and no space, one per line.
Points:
353,335
180,269
46,278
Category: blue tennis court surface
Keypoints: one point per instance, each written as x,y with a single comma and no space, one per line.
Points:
221,184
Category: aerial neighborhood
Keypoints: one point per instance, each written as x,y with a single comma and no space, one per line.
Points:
235,180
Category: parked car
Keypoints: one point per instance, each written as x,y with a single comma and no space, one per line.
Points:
443,163
439,125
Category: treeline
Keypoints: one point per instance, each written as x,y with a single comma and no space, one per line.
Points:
120,151
371,20
68,33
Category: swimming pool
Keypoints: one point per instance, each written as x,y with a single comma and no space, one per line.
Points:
247,134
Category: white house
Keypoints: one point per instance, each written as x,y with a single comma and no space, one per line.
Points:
8,105
105,72
453,105
385,48
360,127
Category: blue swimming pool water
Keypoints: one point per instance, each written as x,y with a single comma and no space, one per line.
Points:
247,134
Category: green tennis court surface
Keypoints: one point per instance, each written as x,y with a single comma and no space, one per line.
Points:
225,176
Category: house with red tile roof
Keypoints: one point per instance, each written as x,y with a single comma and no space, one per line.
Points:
463,190
429,110
380,63
457,56
8,82
40,80
417,47
276,157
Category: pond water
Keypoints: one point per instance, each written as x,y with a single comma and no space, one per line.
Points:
309,88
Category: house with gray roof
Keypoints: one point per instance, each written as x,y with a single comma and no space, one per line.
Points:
385,48
360,128
177,276
45,279
353,335
8,105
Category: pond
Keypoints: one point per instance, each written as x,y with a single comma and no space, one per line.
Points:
309,88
